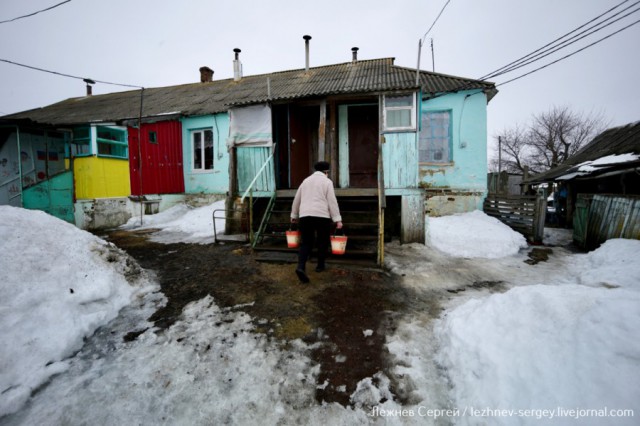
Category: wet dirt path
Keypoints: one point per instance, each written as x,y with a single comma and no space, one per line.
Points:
344,313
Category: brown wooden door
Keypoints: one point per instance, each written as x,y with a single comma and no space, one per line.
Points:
303,142
363,146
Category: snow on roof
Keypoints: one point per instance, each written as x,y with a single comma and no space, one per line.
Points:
599,164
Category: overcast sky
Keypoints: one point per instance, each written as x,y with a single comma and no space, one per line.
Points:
155,43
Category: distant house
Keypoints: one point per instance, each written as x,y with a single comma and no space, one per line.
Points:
414,142
600,186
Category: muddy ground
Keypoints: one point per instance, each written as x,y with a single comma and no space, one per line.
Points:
335,309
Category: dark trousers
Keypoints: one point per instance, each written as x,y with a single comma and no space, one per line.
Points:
311,229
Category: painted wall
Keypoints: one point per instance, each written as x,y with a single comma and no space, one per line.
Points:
97,177
400,159
215,181
468,168
54,196
250,162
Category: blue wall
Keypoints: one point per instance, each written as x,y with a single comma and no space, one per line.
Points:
468,168
214,181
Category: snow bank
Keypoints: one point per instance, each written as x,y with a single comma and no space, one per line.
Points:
474,235
210,367
182,223
57,285
549,346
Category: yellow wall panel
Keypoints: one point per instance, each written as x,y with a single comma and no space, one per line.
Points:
101,177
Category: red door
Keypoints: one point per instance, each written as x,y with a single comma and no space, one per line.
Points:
159,157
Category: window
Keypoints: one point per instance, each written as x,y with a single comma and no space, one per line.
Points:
112,142
399,112
81,144
105,141
153,137
435,137
202,149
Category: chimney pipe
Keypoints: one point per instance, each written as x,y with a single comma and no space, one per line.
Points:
354,50
89,88
237,65
206,75
306,52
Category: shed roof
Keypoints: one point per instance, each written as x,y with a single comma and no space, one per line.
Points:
356,77
614,149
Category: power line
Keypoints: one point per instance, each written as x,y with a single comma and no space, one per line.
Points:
569,55
69,75
552,42
468,85
436,20
35,13
542,53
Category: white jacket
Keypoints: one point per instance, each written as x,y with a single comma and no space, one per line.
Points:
316,197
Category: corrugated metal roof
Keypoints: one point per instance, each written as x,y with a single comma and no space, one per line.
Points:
615,141
363,76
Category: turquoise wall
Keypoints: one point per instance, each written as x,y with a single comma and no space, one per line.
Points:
468,168
250,163
54,196
214,181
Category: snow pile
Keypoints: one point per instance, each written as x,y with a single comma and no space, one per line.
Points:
182,223
472,235
615,263
545,347
57,285
208,368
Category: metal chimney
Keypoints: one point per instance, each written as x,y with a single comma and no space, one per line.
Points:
237,65
354,50
306,52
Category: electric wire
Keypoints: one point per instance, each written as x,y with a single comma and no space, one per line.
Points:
544,53
554,41
35,13
436,20
69,75
569,55
469,84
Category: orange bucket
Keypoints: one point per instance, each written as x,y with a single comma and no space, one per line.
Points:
293,239
338,244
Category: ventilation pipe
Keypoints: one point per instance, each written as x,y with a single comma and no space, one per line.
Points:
354,50
306,52
237,65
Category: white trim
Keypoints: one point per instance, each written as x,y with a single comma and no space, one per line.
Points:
412,110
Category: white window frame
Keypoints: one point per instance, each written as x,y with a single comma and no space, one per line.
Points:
202,151
411,109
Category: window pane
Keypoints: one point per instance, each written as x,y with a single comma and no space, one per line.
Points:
197,150
399,101
435,137
208,149
399,118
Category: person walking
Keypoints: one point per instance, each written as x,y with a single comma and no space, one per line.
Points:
315,208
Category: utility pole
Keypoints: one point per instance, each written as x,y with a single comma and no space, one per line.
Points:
499,155
433,58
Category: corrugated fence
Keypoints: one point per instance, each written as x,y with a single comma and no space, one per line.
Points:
602,216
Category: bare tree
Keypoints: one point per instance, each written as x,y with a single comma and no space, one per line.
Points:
550,139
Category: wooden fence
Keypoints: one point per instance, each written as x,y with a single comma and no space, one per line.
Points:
601,217
523,213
